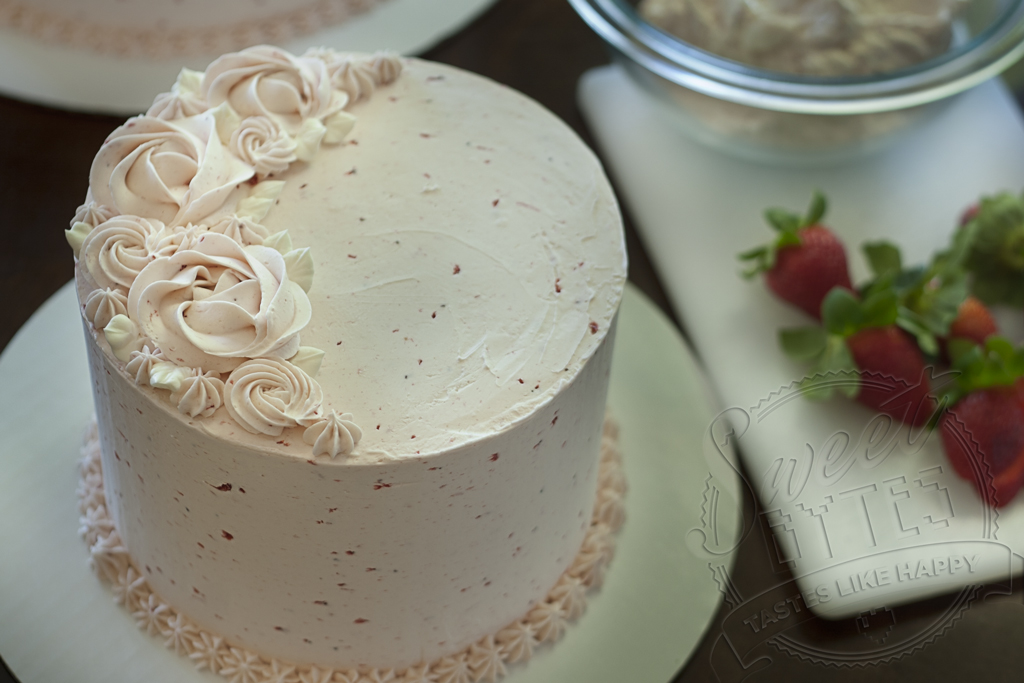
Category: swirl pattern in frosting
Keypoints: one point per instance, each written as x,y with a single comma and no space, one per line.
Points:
259,142
170,235
268,395
267,81
176,172
117,250
215,305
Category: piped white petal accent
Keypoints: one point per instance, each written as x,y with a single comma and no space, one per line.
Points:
123,336
299,264
76,236
260,199
308,359
168,375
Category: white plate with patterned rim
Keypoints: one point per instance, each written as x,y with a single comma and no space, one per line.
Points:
56,75
60,623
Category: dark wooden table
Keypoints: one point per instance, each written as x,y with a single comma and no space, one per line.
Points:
541,48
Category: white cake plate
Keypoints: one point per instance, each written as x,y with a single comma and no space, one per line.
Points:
60,624
869,532
62,77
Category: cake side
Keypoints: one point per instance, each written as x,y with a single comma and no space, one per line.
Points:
383,565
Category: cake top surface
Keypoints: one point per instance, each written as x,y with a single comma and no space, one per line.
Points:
465,254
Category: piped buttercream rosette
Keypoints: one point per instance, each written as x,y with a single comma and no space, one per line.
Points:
269,82
186,282
176,171
217,304
269,395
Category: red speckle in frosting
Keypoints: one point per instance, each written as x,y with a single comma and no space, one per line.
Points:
222,487
320,602
413,436
350,552
360,620
456,270
332,510
241,490
495,202
426,135
338,344
226,535
494,457
352,256
253,180
434,314
554,421
371,569
278,628
319,521
593,327
558,287
522,381
351,172
381,485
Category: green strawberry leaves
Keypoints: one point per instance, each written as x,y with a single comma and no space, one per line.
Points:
928,297
788,225
996,364
991,248
884,258
843,314
832,366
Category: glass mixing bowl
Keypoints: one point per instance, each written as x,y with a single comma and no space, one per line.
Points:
776,116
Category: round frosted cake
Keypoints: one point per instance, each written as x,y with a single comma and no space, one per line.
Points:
350,321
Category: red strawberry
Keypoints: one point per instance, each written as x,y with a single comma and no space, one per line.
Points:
860,341
805,273
983,435
805,262
892,373
973,321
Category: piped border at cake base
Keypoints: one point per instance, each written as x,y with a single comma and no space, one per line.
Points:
485,660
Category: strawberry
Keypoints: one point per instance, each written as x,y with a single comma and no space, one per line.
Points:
805,262
983,432
983,436
931,299
892,373
879,364
973,322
